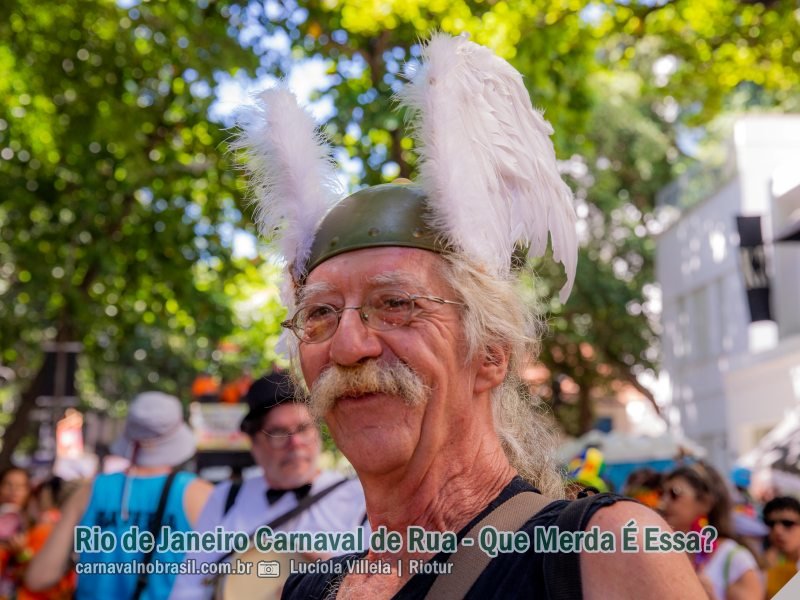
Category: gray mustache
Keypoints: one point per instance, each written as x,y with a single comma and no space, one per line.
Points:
372,377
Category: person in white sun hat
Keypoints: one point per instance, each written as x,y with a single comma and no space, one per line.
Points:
152,493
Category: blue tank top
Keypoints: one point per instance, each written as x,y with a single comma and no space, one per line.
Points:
105,511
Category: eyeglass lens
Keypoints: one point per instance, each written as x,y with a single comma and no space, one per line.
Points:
278,438
380,310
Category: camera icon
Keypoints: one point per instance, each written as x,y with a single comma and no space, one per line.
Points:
268,568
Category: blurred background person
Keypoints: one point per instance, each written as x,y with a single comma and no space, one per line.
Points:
782,517
158,442
694,496
748,527
286,444
44,513
15,489
644,485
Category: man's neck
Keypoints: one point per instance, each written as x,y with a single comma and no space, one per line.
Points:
442,495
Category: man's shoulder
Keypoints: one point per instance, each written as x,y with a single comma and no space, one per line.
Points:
626,573
600,572
574,515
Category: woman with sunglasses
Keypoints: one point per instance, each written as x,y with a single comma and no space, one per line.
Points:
694,496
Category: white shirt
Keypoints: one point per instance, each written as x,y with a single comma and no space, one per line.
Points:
741,561
340,511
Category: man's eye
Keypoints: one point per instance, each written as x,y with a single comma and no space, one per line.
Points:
277,433
393,303
318,312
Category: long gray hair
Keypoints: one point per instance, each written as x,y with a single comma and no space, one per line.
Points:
498,313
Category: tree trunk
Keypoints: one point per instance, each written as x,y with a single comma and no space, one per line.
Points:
20,424
585,409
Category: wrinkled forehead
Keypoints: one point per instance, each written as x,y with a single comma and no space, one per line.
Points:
408,269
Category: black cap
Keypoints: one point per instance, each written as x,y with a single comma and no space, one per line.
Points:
265,393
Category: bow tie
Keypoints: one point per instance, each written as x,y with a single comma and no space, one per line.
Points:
300,492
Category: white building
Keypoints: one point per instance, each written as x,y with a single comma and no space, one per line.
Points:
726,381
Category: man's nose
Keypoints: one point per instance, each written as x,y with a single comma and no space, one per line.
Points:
294,441
353,341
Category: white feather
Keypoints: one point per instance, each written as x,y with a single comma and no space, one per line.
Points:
291,173
486,159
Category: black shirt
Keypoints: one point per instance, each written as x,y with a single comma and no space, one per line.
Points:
512,575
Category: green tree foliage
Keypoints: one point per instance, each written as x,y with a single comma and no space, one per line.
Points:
621,82
117,203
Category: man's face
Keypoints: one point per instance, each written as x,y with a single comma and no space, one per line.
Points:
380,432
288,461
784,531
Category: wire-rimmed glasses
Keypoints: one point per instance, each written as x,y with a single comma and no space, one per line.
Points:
381,310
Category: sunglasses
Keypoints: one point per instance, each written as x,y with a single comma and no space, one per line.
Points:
786,523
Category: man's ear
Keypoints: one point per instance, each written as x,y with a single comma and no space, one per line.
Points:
493,368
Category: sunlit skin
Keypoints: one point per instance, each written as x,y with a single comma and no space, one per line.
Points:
785,539
682,511
294,463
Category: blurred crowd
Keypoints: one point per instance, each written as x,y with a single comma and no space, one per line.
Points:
757,545
755,552
149,482
28,513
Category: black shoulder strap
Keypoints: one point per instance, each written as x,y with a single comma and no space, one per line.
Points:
467,564
562,570
155,525
304,504
233,492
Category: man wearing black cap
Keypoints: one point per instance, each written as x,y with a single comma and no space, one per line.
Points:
286,444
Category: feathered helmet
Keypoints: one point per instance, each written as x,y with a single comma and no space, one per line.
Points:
488,181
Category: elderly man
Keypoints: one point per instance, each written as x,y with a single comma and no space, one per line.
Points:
410,332
286,444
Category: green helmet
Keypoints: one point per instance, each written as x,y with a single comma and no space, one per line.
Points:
392,214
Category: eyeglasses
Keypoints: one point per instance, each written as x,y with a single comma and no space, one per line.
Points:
786,523
279,437
382,310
